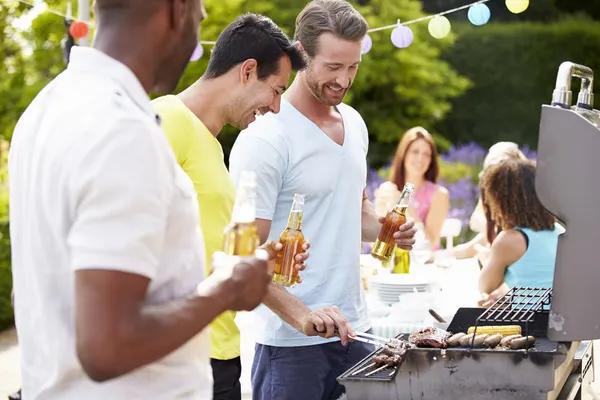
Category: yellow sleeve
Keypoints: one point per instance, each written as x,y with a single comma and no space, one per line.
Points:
176,124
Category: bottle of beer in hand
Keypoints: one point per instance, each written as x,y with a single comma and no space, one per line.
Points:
292,239
385,244
241,235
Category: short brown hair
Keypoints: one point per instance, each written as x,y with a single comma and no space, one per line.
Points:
397,172
509,198
337,17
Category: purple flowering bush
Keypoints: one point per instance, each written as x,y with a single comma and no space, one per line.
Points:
459,173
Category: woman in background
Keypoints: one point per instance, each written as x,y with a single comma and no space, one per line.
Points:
416,161
524,235
479,245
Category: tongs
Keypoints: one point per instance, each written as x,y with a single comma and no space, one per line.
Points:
370,338
364,337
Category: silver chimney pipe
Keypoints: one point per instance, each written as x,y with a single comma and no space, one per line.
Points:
562,95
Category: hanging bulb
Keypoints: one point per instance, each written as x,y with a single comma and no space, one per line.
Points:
402,36
479,14
367,43
517,6
197,54
439,27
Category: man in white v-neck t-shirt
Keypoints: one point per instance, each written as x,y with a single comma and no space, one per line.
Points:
317,146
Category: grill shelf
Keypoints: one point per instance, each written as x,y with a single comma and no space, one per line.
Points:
520,304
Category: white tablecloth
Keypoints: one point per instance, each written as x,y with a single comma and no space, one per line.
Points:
457,288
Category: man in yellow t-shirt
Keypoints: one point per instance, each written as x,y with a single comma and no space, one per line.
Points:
249,69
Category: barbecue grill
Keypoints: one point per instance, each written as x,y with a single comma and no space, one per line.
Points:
558,365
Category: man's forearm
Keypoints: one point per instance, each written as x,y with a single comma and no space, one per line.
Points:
286,306
151,334
370,222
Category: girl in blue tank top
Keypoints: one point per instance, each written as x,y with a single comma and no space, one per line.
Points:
524,235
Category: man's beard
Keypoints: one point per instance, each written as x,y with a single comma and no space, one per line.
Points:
319,91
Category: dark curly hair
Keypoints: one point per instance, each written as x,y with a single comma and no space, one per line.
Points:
509,198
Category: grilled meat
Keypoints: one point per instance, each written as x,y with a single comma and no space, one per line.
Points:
522,342
429,337
454,340
392,353
390,361
493,340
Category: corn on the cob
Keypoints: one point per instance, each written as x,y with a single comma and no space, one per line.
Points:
504,330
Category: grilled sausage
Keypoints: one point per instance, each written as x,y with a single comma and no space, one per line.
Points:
493,340
479,340
466,340
454,340
505,342
522,342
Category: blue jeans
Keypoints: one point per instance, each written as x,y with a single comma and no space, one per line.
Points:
305,372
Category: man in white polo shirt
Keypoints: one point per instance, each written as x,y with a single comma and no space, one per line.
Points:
107,252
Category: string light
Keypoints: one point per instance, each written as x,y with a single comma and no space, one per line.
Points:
402,36
439,26
479,14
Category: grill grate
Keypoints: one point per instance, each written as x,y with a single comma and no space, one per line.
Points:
519,305
360,371
364,369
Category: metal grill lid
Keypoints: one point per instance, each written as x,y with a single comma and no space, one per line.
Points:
568,184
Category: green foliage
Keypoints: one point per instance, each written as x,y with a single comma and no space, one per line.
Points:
513,68
452,172
6,312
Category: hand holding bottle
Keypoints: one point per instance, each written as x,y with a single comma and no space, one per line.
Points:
405,235
240,281
273,247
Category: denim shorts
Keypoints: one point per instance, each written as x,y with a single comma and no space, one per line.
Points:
304,372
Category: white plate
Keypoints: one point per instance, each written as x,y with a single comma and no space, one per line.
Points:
403,288
401,279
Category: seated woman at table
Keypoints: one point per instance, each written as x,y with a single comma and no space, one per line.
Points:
524,235
479,245
416,161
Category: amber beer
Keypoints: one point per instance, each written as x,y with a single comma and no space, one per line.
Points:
385,244
401,262
241,236
292,239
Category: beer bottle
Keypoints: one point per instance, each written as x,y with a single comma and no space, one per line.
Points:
401,262
385,244
241,236
292,240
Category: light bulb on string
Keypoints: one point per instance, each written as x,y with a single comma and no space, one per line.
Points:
439,27
479,14
367,43
78,29
402,36
197,54
517,6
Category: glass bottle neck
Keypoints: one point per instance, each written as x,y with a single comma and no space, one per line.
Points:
295,220
244,209
404,201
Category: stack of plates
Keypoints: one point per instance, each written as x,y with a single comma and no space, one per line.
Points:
389,287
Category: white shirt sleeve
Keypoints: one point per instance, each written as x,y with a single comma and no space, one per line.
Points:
121,195
252,153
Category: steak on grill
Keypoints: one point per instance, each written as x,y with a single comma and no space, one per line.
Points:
429,337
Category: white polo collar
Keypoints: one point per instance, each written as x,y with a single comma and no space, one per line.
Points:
91,60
